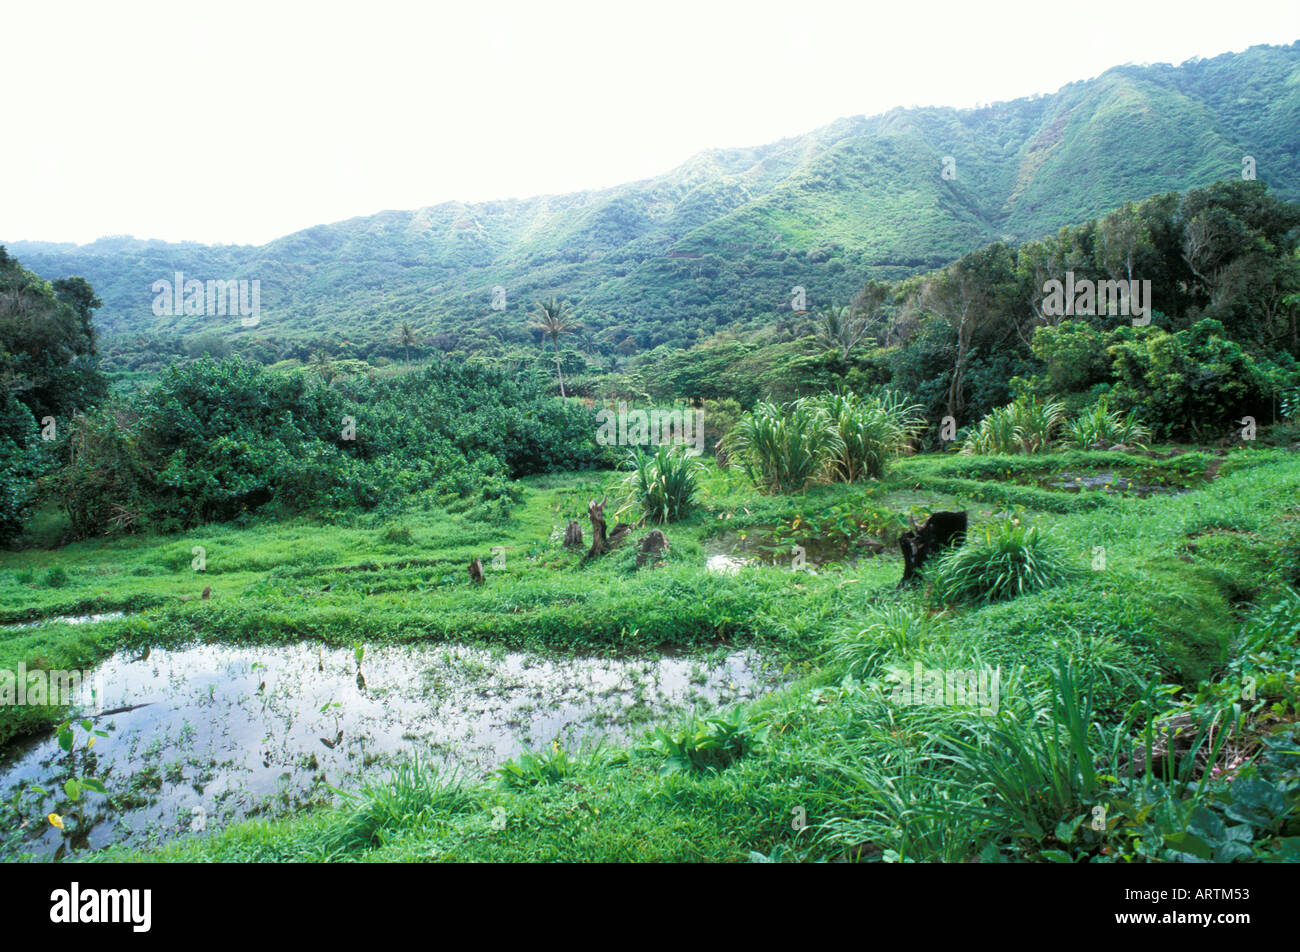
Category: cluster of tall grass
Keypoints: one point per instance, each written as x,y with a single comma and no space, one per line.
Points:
1027,426
1029,781
834,437
1037,761
893,630
1099,424
999,561
663,483
1030,425
414,795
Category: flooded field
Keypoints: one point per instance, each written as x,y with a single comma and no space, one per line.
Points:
216,734
65,620
761,545
1108,482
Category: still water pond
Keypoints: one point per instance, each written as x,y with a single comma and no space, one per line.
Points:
218,734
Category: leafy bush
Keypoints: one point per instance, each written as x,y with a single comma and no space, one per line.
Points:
21,463
397,535
530,769
712,743
1000,560
55,577
1289,405
1196,381
215,439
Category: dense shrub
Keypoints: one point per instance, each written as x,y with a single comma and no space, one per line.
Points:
214,439
1195,381
48,370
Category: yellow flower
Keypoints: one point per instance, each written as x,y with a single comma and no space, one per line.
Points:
56,820
555,746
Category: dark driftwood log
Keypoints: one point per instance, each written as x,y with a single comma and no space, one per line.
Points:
600,542
652,546
573,535
476,572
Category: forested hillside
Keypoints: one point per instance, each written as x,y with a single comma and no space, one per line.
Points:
727,236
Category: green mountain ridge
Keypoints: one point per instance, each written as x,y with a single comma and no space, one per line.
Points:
728,235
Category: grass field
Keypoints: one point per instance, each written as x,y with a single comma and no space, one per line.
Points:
1163,589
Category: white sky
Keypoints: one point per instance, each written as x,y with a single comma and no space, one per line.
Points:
241,122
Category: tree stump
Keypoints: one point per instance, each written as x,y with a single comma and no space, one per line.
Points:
476,572
941,531
596,513
573,535
600,542
652,546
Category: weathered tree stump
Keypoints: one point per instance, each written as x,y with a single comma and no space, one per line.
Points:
653,545
596,513
941,530
476,571
573,535
600,542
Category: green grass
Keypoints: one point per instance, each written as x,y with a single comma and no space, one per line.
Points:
999,561
826,767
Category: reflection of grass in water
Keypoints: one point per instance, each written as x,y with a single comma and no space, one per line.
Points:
303,562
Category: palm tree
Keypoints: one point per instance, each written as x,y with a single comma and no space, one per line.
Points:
551,319
839,330
406,339
323,365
